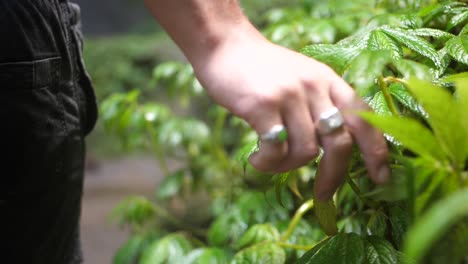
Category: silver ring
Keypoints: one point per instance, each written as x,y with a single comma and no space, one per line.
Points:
276,134
329,121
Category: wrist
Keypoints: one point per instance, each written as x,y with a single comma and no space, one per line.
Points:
201,27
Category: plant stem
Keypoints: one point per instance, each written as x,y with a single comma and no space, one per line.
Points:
297,217
157,149
387,96
358,193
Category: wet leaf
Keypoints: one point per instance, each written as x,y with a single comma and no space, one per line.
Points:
415,43
336,56
457,47
366,68
378,40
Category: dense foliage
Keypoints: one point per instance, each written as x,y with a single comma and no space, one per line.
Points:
408,59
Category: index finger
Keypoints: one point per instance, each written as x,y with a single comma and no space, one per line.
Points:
371,141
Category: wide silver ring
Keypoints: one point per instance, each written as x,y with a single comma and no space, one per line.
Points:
329,121
276,134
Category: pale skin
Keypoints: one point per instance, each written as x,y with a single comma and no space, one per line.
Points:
266,84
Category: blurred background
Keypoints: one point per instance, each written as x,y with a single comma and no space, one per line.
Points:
123,45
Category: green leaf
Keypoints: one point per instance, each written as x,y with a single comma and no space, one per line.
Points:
381,41
129,252
415,43
457,47
433,224
258,233
444,118
261,253
423,199
326,215
379,251
409,132
431,32
227,228
377,224
353,249
336,56
461,81
379,104
244,153
171,185
170,249
399,222
133,210
365,69
411,69
457,20
208,256
457,77
342,248
399,92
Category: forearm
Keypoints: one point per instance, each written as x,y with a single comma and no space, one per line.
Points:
199,26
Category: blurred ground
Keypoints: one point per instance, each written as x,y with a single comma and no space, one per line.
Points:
106,183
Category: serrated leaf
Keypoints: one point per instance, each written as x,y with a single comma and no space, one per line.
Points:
262,253
342,248
381,41
336,56
351,248
411,69
431,32
409,132
377,224
433,224
326,215
457,47
379,251
457,20
415,43
444,118
379,104
170,249
399,222
258,233
399,92
365,69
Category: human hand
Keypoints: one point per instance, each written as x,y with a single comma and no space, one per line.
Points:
266,85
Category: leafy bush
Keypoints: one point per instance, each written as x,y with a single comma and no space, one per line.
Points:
407,59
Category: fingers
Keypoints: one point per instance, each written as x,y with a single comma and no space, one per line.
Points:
337,147
270,153
302,142
371,142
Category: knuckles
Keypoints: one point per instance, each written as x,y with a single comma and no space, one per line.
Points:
342,142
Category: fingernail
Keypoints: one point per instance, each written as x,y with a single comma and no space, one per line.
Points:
383,174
